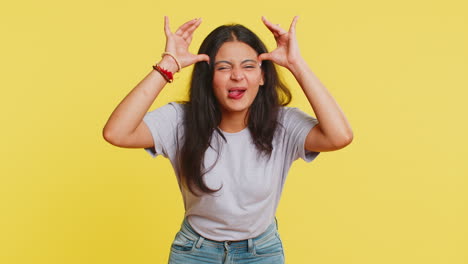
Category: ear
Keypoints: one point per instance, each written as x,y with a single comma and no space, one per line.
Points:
262,81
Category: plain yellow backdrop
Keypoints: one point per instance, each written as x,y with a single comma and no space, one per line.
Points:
397,194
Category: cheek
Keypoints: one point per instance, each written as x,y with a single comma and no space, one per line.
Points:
256,78
218,85
218,80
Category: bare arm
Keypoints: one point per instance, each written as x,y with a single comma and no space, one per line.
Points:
333,131
125,127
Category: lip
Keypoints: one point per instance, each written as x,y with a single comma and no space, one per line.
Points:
236,95
237,88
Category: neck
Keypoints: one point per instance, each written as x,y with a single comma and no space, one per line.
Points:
233,122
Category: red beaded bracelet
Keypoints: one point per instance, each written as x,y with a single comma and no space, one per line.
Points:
168,76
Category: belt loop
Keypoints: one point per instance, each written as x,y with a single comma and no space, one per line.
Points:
199,242
250,245
276,220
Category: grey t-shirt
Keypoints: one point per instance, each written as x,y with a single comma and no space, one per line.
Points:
251,184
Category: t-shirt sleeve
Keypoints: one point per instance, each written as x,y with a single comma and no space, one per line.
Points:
297,126
164,123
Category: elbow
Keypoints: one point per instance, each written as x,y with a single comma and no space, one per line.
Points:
348,139
109,136
343,141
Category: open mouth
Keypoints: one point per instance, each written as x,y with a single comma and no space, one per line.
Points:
236,93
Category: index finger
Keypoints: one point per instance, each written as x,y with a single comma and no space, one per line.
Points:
191,29
181,30
275,29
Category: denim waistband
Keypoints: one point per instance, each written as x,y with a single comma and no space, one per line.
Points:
247,243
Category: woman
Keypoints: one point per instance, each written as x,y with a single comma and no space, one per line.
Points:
233,142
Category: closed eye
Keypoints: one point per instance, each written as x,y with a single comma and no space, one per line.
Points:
250,66
223,68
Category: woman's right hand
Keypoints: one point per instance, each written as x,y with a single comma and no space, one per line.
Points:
178,43
125,127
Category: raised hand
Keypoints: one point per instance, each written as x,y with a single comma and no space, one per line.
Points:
287,52
178,43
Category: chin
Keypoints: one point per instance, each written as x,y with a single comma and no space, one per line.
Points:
236,107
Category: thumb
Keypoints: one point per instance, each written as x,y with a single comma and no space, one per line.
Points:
202,57
197,58
265,56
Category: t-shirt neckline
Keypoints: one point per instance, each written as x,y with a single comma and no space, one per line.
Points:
241,132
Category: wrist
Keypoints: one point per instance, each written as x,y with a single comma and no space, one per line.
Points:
169,64
298,67
167,53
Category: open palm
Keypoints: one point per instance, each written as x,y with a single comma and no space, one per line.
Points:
178,42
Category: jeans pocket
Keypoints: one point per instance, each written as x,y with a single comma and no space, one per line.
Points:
182,243
270,247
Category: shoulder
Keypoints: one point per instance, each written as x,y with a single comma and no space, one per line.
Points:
289,114
289,110
293,121
177,106
174,109
172,112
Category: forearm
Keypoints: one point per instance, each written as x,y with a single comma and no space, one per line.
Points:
130,112
333,122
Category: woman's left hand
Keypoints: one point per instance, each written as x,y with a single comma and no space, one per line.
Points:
287,52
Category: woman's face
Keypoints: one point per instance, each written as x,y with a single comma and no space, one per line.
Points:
237,76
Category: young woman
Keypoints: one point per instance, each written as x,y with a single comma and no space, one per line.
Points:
233,142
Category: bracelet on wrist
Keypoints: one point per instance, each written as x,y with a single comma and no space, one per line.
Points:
179,67
167,75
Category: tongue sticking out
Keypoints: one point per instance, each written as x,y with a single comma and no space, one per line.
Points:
236,94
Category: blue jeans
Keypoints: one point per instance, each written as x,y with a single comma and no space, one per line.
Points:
191,248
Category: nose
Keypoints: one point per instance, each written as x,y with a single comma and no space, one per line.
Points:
237,75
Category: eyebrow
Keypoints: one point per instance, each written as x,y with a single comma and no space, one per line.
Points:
230,63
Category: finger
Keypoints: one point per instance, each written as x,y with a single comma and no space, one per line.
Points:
292,28
275,29
202,57
268,24
189,32
265,56
195,26
167,29
185,26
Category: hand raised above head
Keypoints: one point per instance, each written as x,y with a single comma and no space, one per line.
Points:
287,52
178,43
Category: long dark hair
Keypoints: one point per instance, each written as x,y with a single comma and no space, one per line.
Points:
202,113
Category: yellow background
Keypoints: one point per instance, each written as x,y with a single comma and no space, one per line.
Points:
397,194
